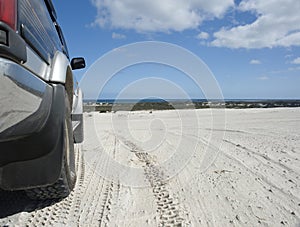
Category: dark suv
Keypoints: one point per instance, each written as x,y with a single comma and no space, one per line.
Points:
41,105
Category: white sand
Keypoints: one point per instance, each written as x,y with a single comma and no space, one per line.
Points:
142,169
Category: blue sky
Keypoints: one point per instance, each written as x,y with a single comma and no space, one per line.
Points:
252,47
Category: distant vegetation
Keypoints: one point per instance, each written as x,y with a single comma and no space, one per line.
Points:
165,105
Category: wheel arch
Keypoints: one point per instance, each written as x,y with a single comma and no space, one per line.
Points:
62,73
69,85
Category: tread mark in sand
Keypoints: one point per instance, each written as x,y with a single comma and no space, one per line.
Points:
104,196
111,192
167,207
92,213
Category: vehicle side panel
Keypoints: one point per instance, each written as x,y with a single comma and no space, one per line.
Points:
38,29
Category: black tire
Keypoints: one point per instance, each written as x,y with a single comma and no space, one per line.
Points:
65,183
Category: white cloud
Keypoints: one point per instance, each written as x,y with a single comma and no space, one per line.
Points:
157,15
263,78
294,69
296,61
288,56
118,36
203,35
277,24
255,62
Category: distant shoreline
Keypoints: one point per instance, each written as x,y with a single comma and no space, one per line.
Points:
129,101
109,105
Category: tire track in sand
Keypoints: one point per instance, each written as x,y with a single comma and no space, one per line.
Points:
99,192
168,207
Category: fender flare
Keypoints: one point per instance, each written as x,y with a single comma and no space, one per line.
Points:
62,73
60,66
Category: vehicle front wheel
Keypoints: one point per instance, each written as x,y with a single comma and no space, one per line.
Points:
65,183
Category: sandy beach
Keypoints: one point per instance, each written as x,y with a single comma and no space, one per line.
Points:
178,168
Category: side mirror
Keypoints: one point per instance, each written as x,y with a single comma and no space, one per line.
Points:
77,63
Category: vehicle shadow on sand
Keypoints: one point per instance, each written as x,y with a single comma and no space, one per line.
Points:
15,202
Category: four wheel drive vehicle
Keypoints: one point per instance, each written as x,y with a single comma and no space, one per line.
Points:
40,103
